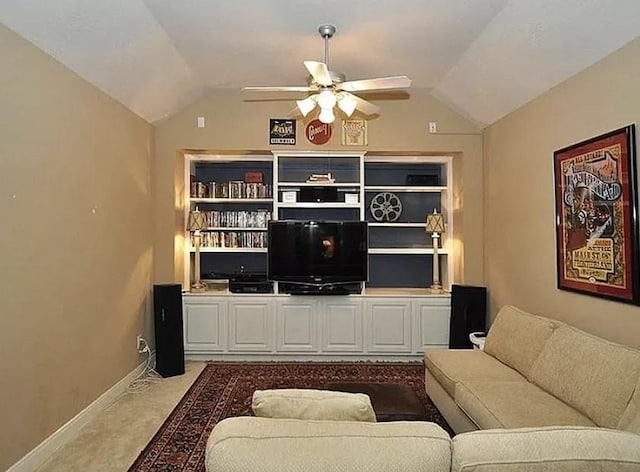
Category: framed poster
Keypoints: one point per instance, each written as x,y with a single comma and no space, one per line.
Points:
596,223
354,133
282,131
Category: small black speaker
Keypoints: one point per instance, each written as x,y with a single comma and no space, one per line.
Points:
423,179
319,194
167,316
468,314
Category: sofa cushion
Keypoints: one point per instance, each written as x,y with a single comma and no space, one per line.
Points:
545,450
516,338
595,376
630,420
452,366
504,404
312,405
266,444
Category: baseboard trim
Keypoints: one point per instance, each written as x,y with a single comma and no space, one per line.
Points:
299,357
41,453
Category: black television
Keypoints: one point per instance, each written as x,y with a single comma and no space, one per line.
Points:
319,254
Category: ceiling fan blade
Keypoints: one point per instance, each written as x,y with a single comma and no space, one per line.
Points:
381,83
366,107
277,89
319,72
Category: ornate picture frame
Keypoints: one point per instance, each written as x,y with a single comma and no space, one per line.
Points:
596,222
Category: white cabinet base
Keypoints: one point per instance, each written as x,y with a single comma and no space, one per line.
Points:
305,328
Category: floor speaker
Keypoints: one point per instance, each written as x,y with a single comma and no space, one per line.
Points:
167,316
468,314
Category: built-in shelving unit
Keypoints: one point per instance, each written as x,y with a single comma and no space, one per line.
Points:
235,192
400,251
394,316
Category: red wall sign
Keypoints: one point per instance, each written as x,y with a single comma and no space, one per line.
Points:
318,132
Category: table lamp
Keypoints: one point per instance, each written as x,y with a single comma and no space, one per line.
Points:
196,224
435,226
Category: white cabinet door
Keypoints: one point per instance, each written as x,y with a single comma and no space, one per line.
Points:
251,324
204,324
431,320
296,321
341,321
388,325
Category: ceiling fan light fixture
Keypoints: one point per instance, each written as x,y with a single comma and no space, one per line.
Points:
307,105
330,88
347,104
327,99
326,115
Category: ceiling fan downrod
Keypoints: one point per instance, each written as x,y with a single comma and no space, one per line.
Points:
327,32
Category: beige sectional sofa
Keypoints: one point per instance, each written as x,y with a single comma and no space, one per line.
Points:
544,395
536,372
276,445
323,431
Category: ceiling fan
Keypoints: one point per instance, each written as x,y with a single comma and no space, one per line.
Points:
329,88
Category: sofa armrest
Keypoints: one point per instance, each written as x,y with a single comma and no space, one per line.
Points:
307,404
549,448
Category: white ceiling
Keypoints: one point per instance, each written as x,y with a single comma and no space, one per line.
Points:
484,58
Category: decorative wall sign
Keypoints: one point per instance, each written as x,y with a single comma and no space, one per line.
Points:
596,225
282,131
354,133
385,206
318,132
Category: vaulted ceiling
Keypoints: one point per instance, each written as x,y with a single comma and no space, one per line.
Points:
484,58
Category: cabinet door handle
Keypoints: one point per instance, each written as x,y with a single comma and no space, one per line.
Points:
162,314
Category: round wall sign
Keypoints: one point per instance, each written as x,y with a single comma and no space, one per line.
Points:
318,132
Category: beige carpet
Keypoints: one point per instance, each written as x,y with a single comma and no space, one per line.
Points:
113,440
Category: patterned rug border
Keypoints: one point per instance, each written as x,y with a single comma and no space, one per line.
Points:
154,448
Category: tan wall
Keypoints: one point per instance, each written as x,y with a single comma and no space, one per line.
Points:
236,125
74,283
519,196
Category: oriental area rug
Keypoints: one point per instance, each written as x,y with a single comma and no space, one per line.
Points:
225,389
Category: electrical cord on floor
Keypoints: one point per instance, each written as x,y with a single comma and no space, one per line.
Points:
148,374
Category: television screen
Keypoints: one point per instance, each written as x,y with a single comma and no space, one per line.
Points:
317,252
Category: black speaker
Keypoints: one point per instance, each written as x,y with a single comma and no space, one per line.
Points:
468,314
167,316
319,194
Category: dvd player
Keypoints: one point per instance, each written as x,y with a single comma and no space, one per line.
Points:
250,283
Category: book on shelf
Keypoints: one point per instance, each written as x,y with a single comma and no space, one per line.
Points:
321,178
237,219
232,189
232,239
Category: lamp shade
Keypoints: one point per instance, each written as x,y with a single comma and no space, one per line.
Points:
196,221
435,223
307,105
327,99
326,116
347,103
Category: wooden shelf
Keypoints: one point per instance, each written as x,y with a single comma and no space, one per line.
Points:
231,200
405,250
397,225
404,188
231,249
228,228
319,184
319,205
